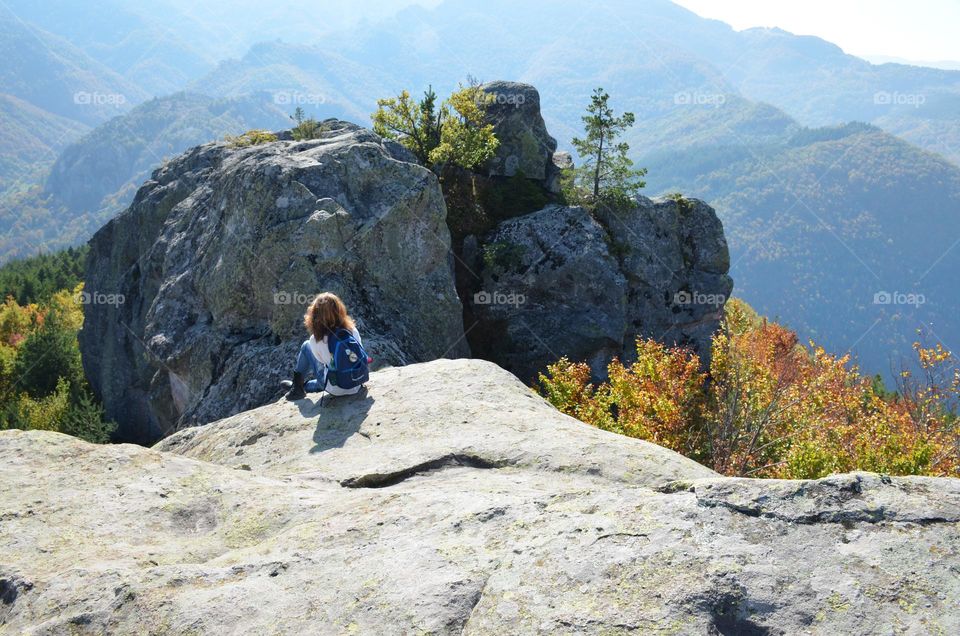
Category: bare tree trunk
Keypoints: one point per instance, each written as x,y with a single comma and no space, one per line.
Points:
596,171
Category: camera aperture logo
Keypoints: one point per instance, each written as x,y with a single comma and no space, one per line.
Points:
898,298
99,298
690,298
512,299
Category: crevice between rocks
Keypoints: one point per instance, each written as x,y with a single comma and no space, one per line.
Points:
874,515
475,601
392,478
843,517
827,516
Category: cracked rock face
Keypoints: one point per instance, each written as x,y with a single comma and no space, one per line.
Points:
221,251
592,284
448,499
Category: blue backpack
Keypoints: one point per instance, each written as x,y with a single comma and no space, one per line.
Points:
348,366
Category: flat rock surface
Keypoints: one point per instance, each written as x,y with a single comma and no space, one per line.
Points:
421,418
448,499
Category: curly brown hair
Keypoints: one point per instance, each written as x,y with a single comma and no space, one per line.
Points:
326,314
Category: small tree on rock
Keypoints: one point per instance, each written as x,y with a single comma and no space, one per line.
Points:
466,139
455,132
306,128
606,174
416,125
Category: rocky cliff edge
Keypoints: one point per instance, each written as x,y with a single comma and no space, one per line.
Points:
448,499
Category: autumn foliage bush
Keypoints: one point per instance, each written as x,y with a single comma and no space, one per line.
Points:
771,407
42,385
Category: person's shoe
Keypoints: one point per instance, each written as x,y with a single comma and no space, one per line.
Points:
296,391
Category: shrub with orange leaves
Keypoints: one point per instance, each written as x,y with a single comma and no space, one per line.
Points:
769,406
658,397
931,393
42,385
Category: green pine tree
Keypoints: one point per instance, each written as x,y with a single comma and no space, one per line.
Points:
606,173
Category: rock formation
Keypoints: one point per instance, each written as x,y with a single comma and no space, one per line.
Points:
564,282
525,144
538,284
449,499
222,249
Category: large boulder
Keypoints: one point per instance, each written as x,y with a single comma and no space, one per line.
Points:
449,499
525,144
218,255
565,282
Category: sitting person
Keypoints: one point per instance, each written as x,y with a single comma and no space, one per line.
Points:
333,354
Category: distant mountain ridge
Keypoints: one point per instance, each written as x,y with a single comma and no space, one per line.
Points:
31,138
50,73
164,45
117,156
946,65
51,92
820,85
96,177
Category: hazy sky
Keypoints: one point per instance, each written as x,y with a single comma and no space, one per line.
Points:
923,30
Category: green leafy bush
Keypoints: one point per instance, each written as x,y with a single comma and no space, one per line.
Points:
307,127
453,133
42,384
253,137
